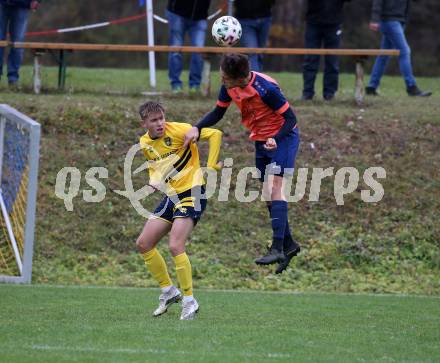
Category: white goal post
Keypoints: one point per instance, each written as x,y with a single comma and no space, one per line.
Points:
19,156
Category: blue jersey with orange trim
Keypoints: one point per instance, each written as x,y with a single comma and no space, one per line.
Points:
261,104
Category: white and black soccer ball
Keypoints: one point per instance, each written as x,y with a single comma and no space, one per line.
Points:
226,31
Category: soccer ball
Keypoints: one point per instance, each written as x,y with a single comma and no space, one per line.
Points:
226,31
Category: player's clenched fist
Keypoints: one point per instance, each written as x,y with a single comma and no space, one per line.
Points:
270,144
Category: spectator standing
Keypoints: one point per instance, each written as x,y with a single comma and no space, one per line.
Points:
323,29
14,16
390,17
186,16
255,17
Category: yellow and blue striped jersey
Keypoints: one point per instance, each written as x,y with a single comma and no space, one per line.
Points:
175,165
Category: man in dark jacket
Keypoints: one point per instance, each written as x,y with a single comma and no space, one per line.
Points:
255,17
323,28
390,16
13,20
186,16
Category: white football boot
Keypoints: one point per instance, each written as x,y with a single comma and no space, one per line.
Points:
166,299
189,309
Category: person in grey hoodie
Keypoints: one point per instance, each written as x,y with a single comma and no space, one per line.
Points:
390,17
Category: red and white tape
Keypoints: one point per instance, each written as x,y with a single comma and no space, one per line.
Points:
105,23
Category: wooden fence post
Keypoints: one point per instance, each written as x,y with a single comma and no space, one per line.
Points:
36,74
205,84
359,89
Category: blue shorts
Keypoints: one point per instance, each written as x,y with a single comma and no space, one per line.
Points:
283,157
187,204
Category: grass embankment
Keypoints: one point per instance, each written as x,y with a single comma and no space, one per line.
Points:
389,246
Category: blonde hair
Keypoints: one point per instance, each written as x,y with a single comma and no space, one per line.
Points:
150,107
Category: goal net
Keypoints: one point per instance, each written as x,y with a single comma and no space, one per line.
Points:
19,155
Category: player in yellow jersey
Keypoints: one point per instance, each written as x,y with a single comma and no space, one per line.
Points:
178,168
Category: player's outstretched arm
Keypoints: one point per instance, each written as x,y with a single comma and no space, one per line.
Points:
214,138
208,120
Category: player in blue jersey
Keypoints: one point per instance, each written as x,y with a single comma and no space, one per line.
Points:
272,124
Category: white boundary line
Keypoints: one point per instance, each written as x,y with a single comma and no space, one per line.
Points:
241,291
154,351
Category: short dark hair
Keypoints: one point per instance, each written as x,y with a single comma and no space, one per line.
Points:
150,107
235,65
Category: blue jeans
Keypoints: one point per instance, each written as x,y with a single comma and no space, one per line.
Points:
13,20
255,35
393,37
316,36
178,26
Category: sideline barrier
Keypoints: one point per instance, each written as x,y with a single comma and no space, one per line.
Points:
39,48
106,23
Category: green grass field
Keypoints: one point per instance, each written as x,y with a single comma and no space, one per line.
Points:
387,247
91,324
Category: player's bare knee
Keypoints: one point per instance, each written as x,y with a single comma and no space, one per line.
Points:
277,189
143,246
277,182
176,246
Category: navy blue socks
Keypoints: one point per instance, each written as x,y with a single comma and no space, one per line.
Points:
278,212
